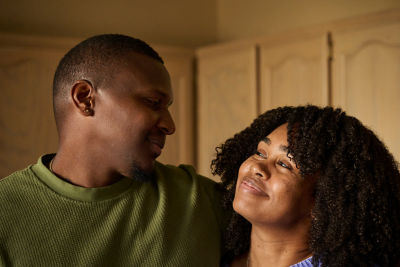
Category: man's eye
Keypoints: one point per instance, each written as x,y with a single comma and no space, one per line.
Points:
155,103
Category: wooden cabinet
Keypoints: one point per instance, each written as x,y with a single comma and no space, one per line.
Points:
353,64
294,72
366,79
238,82
179,147
227,97
27,128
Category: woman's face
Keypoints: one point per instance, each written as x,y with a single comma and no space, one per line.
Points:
270,190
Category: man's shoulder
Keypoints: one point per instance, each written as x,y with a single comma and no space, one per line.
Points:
12,185
185,179
182,171
16,177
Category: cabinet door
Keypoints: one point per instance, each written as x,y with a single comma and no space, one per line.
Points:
227,97
366,79
179,147
27,128
294,72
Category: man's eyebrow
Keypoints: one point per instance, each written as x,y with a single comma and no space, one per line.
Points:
163,95
266,140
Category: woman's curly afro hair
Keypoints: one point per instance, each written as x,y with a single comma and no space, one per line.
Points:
356,215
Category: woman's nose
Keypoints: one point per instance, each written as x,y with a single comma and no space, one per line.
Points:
261,170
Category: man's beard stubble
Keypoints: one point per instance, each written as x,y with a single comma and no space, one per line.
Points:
141,175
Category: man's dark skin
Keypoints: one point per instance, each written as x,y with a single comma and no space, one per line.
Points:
109,130
112,203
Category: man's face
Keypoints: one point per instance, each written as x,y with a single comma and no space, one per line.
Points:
132,114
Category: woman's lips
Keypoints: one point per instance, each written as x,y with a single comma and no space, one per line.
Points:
252,186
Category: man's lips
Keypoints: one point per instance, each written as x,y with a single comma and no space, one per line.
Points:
157,144
253,186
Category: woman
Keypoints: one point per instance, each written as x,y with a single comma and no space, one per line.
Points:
310,186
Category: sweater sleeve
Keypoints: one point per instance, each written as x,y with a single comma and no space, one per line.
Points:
212,192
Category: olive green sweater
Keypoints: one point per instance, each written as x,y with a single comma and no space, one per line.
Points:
46,221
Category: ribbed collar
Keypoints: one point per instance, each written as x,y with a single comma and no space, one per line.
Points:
77,192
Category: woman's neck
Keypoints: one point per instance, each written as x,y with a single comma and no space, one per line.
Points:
278,247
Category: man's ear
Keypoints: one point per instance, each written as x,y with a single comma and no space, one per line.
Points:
83,97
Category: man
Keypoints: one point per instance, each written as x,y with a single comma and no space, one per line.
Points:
102,199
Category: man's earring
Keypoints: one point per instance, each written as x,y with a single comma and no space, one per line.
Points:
88,111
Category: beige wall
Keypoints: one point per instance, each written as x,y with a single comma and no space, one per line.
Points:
175,22
238,19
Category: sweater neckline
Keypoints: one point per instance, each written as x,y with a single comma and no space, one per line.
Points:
75,192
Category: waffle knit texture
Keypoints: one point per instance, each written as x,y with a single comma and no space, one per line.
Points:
46,221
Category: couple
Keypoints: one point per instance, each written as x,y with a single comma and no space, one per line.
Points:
308,185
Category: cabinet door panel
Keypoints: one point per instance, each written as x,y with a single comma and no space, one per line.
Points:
366,79
227,98
294,73
27,128
179,147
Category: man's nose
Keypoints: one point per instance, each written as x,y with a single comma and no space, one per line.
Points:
166,123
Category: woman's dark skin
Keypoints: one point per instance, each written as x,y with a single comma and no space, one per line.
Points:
277,201
349,212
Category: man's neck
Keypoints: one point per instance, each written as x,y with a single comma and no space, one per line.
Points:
83,171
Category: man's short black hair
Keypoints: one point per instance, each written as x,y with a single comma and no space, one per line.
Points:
95,59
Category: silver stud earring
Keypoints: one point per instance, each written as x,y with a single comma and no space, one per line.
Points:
87,111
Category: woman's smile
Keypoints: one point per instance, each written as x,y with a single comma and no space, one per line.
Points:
253,186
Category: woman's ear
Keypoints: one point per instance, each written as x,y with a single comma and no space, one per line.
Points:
83,97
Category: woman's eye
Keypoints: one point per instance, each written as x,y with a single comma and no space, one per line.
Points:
284,165
258,153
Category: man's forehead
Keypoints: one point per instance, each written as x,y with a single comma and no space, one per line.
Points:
144,70
138,59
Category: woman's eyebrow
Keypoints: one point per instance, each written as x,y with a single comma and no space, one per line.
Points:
283,148
266,140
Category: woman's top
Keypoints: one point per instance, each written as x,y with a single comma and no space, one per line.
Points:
304,263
